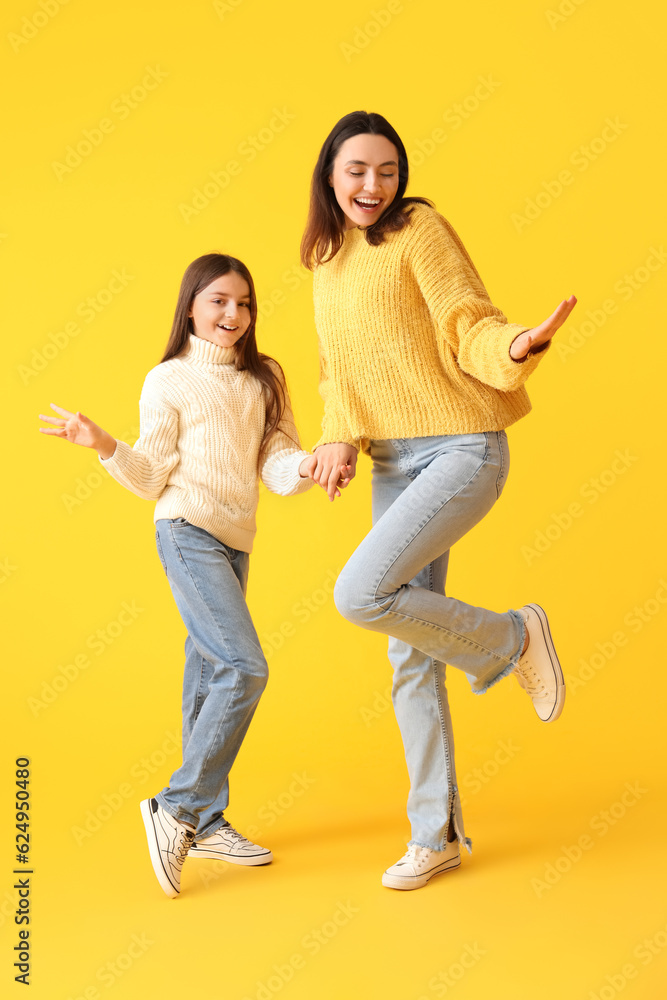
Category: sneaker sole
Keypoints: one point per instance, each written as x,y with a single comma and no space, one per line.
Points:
153,849
417,881
541,615
235,859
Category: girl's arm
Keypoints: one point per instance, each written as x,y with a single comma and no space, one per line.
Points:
283,457
476,330
143,469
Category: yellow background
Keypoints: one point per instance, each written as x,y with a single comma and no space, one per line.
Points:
103,741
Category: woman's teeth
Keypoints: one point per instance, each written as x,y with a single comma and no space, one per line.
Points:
367,204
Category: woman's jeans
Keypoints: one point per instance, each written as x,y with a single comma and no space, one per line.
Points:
225,669
427,493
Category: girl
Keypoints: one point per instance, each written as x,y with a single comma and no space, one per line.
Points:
215,415
423,373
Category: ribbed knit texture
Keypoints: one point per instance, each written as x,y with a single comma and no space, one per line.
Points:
410,343
201,427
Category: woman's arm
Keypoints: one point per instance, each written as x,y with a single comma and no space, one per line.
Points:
485,344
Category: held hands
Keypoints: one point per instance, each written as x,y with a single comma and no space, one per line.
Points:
78,429
332,467
543,333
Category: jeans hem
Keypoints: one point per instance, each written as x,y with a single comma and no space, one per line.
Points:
188,818
513,662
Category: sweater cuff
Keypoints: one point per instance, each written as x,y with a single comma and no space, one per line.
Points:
515,372
280,473
119,460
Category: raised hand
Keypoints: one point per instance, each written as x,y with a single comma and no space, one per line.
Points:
543,333
78,429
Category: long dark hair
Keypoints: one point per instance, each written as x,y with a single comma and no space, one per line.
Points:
325,227
199,275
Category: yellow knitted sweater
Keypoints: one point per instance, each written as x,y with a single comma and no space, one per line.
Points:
410,343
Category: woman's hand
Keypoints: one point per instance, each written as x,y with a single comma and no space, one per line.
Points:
307,469
77,429
332,467
543,333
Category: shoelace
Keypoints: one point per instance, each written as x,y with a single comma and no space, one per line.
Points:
530,680
235,835
416,855
183,847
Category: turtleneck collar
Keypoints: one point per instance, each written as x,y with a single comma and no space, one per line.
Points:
208,353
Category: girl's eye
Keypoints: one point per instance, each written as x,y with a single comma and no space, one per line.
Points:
246,304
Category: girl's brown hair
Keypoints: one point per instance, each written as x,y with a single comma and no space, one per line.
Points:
325,227
266,370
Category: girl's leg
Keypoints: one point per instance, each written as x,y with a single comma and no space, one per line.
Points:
227,669
454,482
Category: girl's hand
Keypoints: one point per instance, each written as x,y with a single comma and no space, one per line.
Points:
543,333
78,429
335,466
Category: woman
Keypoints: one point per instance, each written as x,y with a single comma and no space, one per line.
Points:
422,372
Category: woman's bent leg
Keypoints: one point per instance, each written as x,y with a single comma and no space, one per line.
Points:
208,587
454,482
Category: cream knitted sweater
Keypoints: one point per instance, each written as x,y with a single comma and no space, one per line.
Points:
201,427
410,343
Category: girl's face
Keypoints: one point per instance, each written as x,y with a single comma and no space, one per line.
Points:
365,178
221,311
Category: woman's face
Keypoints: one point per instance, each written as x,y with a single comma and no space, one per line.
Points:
365,178
221,311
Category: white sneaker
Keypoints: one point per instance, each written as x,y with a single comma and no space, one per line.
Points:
538,671
227,844
419,864
168,843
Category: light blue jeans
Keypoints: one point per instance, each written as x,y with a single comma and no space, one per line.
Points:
427,493
225,669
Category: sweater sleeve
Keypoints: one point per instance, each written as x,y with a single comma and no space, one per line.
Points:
335,428
284,455
476,330
145,468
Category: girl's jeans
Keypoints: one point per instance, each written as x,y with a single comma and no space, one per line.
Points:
225,669
427,493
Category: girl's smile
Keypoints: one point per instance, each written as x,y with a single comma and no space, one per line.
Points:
220,313
365,178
